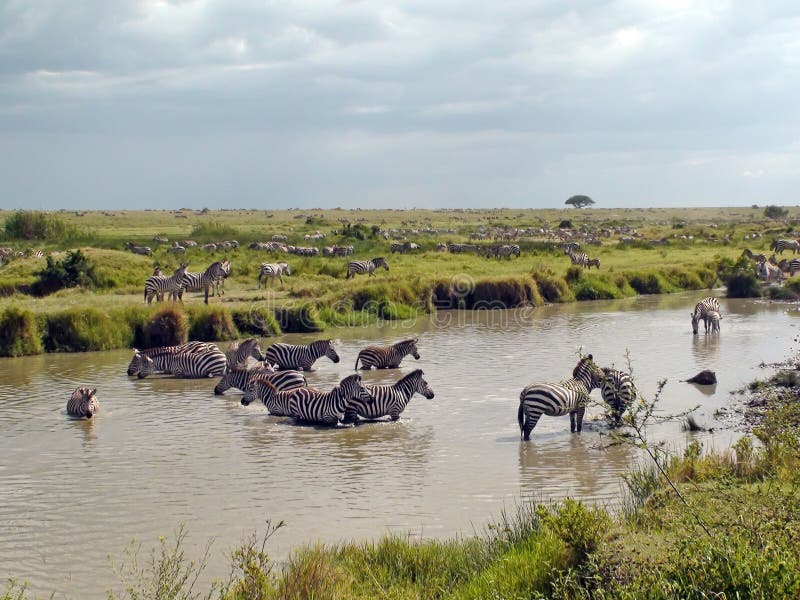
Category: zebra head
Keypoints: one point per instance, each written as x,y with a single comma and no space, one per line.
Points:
253,390
773,245
380,262
133,366
423,387
253,348
285,268
411,348
351,388
145,365
330,352
695,321
587,371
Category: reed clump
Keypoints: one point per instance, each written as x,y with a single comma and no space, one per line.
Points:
168,326
84,330
211,324
20,334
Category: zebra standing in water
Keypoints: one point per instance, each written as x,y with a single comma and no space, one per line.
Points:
275,391
191,364
83,403
158,286
269,271
556,399
365,266
387,357
388,400
618,392
780,245
326,408
243,379
701,310
713,318
299,357
238,353
133,366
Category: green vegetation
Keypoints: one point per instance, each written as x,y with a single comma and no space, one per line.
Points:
19,333
76,270
775,212
579,201
34,225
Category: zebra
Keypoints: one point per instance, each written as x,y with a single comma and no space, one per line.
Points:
274,390
759,258
579,258
83,403
269,271
571,247
241,379
158,286
792,266
705,305
189,365
768,272
299,357
556,399
143,250
217,272
177,248
326,408
389,400
387,357
713,318
365,266
133,366
238,353
593,262
618,392
780,245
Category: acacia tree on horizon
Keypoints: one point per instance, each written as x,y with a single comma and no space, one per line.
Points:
579,201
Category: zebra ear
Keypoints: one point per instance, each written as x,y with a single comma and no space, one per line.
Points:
590,357
92,392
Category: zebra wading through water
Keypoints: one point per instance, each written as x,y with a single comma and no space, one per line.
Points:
269,271
780,245
387,357
713,317
557,399
274,391
326,408
133,366
701,310
83,403
389,400
238,353
618,392
193,364
243,379
365,266
158,286
299,357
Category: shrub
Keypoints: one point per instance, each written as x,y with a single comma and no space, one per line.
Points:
299,319
256,320
649,283
75,270
743,285
502,293
552,288
573,274
565,224
775,212
19,333
581,528
592,288
213,232
35,225
167,326
211,324
84,330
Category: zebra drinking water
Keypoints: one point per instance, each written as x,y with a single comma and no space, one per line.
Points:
239,352
158,286
389,400
618,392
702,308
83,403
274,390
713,318
365,266
556,399
269,271
299,357
387,357
192,364
133,366
326,408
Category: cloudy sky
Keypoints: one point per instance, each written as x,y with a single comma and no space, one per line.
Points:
426,103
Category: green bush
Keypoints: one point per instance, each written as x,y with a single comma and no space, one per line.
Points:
553,288
256,320
650,283
592,288
35,225
75,270
167,326
84,330
213,232
743,285
302,318
573,274
211,324
19,333
581,528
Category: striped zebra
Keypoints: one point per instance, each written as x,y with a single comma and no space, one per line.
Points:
143,250
556,399
269,271
83,403
238,353
768,272
593,262
299,357
705,305
189,365
579,258
387,357
274,390
158,286
790,266
326,408
780,245
216,273
365,266
618,392
187,347
389,400
713,318
571,247
756,257
242,379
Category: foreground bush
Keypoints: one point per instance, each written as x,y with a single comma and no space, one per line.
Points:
84,330
19,333
211,323
168,326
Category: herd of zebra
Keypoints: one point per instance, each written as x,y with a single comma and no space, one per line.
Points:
212,279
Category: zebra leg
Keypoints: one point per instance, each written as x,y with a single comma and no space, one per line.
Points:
572,422
579,417
350,416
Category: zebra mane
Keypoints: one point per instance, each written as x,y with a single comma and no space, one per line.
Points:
416,373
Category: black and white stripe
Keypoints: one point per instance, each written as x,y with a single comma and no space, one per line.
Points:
768,272
158,286
780,245
269,271
387,357
365,266
556,399
618,392
271,389
707,304
238,353
83,403
299,357
196,363
579,258
713,318
389,400
187,347
326,408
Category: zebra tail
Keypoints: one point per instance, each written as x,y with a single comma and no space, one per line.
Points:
358,358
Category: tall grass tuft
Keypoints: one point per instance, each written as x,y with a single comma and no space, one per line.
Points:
19,333
214,231
84,330
168,326
299,318
211,324
256,320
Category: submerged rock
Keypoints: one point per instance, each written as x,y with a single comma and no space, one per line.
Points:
704,378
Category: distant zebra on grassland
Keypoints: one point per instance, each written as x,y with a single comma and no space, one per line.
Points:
365,266
571,247
387,357
618,392
271,389
759,258
579,258
158,286
705,305
269,271
82,403
238,353
143,250
326,408
389,400
780,245
790,266
556,399
593,262
768,272
299,357
192,364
